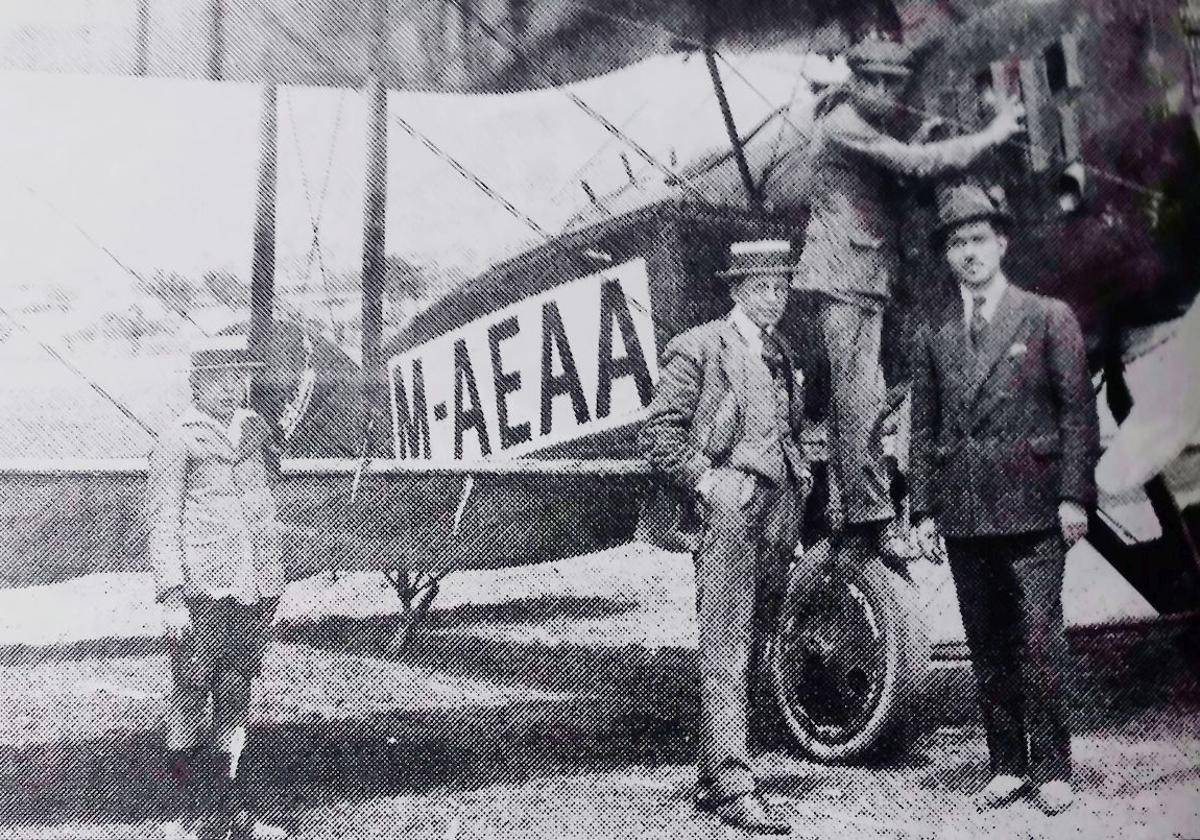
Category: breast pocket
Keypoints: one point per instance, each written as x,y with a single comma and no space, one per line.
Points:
862,240
867,262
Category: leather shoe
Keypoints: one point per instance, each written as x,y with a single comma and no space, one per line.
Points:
1055,797
749,813
245,827
1000,791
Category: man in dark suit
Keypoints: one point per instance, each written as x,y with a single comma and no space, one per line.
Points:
1004,446
722,425
850,257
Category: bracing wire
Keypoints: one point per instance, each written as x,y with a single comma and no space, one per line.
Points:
639,176
694,43
551,79
316,213
544,237
1100,172
108,252
49,348
470,176
87,380
591,160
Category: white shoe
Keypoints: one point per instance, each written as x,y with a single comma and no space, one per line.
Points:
1055,797
176,830
1000,791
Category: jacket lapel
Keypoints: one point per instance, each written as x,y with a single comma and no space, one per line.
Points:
733,353
956,353
1010,315
253,436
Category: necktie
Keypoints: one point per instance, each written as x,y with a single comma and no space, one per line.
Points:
978,322
772,354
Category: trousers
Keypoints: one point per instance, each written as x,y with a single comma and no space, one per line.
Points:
1010,595
853,336
750,529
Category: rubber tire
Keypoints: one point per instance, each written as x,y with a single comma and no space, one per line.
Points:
905,637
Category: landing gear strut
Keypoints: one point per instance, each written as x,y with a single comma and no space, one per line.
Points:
416,593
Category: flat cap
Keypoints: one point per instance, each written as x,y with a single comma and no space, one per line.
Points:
875,56
223,351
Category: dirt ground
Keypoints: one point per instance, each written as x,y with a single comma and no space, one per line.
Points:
549,702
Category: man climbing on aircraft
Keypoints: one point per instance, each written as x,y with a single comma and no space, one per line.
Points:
850,256
722,425
214,549
1004,446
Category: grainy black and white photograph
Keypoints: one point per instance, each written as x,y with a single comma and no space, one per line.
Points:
617,419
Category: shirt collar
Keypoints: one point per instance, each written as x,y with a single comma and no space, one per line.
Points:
749,330
991,297
231,433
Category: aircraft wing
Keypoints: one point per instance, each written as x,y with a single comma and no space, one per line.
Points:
455,46
776,153
73,517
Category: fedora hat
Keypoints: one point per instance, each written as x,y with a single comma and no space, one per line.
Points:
761,256
877,57
964,203
220,352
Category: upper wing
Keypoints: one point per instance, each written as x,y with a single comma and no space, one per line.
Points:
464,46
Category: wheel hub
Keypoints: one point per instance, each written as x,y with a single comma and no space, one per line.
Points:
834,651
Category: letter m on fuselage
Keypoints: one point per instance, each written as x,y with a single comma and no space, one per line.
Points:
410,417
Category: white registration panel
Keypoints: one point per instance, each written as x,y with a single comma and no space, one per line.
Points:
575,360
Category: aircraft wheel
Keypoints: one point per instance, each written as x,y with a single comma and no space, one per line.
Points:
848,660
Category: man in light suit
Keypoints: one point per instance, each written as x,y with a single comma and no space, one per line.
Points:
213,543
1004,446
850,258
722,425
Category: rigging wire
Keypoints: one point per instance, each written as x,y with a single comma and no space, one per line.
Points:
553,81
574,219
1100,172
108,252
468,175
48,347
783,124
544,237
91,383
316,214
693,42
595,156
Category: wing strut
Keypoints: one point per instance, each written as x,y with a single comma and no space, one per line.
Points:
753,198
374,264
262,270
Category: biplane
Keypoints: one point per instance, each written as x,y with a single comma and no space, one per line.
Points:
497,427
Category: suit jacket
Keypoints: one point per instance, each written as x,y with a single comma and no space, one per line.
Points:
695,418
851,243
1002,436
210,511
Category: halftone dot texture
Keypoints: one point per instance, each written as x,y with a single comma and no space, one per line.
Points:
543,701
